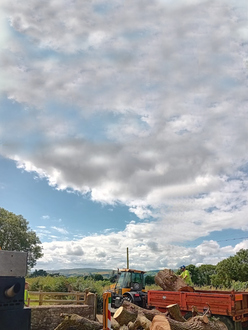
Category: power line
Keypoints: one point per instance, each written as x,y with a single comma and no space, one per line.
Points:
231,239
221,240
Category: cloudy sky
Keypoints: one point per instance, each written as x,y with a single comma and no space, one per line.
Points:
125,124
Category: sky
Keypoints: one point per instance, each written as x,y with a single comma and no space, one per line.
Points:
124,124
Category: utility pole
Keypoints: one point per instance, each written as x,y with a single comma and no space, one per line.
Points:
127,259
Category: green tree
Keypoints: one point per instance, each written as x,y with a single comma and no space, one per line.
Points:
205,274
242,261
15,235
234,268
225,272
39,272
149,279
98,277
194,272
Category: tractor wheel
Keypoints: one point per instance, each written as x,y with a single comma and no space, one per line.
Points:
227,321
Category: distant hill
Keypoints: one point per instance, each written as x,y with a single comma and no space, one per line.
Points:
106,273
82,271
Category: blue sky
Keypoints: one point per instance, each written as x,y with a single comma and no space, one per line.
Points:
124,124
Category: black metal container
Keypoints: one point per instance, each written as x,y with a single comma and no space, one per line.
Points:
13,315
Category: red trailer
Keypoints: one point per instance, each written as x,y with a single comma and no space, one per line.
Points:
229,306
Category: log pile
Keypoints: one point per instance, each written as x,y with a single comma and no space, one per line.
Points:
76,322
169,281
132,317
161,322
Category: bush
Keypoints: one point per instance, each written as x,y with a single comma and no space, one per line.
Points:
97,287
239,286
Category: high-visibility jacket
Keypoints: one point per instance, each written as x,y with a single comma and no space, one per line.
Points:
186,277
26,297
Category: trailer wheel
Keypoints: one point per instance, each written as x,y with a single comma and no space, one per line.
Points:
227,321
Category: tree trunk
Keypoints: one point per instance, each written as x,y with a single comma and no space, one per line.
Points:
169,281
76,322
175,313
114,324
124,316
149,313
160,322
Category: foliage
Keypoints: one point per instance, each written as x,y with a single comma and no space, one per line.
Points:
205,274
153,287
98,277
149,279
194,272
39,272
228,273
113,276
234,268
95,277
15,235
239,286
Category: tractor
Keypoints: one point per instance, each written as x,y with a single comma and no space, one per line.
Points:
130,285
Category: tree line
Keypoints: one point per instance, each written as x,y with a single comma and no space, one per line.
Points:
231,272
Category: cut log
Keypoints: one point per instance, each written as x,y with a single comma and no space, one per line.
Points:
149,313
130,325
142,322
175,313
114,324
76,322
124,316
160,322
169,281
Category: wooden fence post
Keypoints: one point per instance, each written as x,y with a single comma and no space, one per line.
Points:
77,297
95,306
40,297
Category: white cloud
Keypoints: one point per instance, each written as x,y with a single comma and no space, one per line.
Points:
146,108
242,245
60,230
45,217
109,251
74,249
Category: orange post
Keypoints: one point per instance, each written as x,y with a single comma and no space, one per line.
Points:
107,311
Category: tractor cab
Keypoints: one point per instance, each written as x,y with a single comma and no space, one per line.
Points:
130,285
130,280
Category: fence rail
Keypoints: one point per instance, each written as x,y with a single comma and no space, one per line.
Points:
46,297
